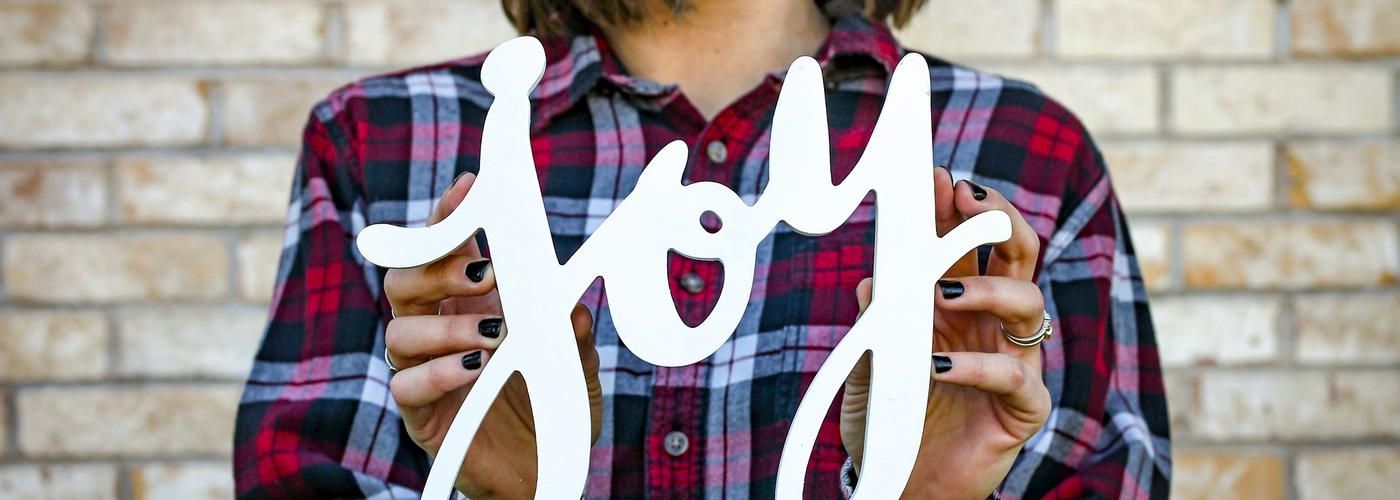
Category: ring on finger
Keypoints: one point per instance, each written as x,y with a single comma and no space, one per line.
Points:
1035,339
392,369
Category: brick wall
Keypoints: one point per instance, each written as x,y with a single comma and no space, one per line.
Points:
146,147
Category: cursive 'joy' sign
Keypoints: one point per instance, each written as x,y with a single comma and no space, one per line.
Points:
628,250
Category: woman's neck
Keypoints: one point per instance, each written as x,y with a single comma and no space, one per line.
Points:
717,50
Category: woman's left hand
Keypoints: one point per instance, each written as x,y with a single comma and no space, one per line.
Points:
986,396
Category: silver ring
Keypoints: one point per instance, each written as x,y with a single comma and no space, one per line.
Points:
392,368
1034,340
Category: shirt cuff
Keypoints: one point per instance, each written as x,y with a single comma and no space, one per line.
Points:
848,478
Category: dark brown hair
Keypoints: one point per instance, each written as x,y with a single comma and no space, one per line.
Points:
562,17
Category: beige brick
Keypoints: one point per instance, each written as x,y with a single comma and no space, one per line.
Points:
38,33
1348,328
1346,27
188,342
1290,254
1192,176
52,193
52,345
4,425
1349,175
402,33
108,268
1348,473
1217,474
1210,330
1264,99
126,421
191,481
258,258
214,32
59,482
1109,100
105,111
1152,243
239,189
1134,29
975,28
270,113
1278,405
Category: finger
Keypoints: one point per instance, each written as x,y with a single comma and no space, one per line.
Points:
412,340
418,290
1019,305
863,292
452,197
1015,382
430,381
1016,257
946,215
582,321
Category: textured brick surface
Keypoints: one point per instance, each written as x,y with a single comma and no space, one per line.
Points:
52,193
140,421
258,256
214,32
191,190
1260,99
188,342
45,33
1209,475
975,28
406,33
59,482
1348,328
42,345
1157,176
1344,175
192,481
50,111
115,268
1209,330
270,112
146,149
1291,255
1273,406
1127,29
1345,474
1349,28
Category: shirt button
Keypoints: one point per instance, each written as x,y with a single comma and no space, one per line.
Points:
676,443
717,152
692,283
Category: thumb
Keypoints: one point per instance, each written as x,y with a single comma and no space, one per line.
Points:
582,321
863,290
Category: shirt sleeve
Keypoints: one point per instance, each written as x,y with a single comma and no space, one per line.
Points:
1107,435
316,419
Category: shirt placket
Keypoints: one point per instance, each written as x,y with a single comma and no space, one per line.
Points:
677,432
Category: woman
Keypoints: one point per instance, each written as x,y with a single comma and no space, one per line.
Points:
331,410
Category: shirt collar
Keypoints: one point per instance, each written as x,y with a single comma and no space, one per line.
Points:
855,48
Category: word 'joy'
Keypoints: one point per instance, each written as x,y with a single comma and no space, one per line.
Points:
628,250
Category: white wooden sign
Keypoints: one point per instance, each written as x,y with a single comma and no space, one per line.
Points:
629,251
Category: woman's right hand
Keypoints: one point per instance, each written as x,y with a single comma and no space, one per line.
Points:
447,323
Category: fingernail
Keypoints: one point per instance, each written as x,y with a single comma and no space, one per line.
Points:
459,177
951,289
951,182
490,327
472,360
942,364
476,271
978,193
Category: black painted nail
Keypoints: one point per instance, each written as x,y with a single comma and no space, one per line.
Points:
978,193
942,364
490,327
951,182
472,360
476,271
951,289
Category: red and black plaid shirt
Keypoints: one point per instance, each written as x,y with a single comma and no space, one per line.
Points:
316,419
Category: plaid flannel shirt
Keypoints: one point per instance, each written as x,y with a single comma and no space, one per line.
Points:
317,420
